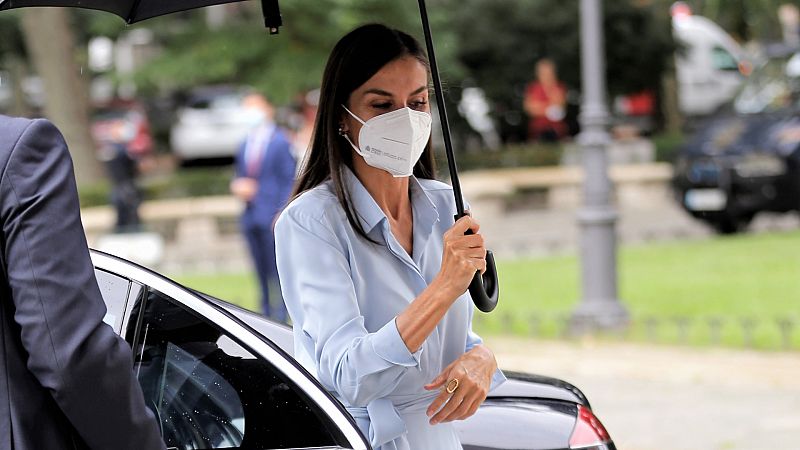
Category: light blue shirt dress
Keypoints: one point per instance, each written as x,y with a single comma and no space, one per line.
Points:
343,294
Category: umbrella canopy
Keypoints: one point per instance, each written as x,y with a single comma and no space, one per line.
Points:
137,10
484,288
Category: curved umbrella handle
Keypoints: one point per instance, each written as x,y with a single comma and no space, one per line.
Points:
484,289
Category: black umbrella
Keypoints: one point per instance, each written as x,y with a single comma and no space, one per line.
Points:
483,289
137,10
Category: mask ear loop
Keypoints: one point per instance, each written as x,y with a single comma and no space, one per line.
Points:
344,134
354,116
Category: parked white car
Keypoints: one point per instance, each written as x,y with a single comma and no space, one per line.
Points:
213,124
710,67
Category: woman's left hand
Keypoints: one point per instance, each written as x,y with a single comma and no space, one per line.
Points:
464,384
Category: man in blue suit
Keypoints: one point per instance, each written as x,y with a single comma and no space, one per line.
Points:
66,379
265,173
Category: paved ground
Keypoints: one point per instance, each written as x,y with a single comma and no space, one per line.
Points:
656,398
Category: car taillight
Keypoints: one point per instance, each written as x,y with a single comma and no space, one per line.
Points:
588,431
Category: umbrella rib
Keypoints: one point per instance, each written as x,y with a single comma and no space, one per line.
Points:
134,7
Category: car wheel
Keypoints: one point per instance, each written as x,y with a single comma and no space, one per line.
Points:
731,224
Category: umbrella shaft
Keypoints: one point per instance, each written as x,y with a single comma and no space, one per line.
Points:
437,87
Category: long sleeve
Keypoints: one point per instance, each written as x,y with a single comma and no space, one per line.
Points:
472,340
315,275
58,306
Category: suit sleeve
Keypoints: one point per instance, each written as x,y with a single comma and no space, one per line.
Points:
287,168
86,367
239,163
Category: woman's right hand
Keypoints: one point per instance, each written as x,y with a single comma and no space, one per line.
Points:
462,256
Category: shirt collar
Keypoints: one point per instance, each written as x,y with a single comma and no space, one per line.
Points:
368,211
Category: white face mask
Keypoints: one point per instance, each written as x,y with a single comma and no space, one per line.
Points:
393,141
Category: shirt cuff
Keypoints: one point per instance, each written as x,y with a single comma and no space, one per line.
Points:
388,344
497,379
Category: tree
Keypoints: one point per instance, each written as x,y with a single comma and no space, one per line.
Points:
51,46
240,51
13,58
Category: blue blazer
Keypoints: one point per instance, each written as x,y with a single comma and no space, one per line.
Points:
66,379
275,181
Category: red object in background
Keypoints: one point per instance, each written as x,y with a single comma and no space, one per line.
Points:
541,126
680,9
588,430
638,104
123,122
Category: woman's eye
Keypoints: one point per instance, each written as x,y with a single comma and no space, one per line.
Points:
382,105
419,104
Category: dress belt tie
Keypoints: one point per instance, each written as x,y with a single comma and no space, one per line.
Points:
385,424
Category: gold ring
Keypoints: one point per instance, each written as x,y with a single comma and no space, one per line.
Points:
452,385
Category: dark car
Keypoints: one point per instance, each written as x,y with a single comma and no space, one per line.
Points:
747,159
219,376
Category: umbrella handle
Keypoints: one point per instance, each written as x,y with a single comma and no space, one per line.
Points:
484,289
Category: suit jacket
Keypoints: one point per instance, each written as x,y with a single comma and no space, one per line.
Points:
66,379
275,176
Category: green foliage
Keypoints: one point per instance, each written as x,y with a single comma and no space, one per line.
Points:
11,41
667,145
94,194
196,182
744,19
242,52
515,155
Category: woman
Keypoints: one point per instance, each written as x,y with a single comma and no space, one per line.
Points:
545,103
373,269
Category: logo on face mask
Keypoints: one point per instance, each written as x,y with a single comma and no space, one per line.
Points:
394,141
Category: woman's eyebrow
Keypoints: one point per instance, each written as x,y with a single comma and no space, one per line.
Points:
376,91
420,90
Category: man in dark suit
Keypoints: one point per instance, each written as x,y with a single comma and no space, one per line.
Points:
265,173
66,379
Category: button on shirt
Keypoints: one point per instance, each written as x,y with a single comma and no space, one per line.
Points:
344,293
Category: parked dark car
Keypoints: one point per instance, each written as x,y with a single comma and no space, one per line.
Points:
219,376
747,159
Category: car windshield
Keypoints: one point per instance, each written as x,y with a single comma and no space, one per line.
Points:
774,86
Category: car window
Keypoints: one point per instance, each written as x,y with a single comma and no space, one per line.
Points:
114,290
208,391
767,89
723,60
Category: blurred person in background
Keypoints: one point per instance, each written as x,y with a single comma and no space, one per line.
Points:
265,172
121,132
545,104
306,116
125,195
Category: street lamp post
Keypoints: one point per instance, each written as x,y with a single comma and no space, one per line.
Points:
599,307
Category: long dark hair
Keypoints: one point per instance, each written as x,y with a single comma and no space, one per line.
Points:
355,59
